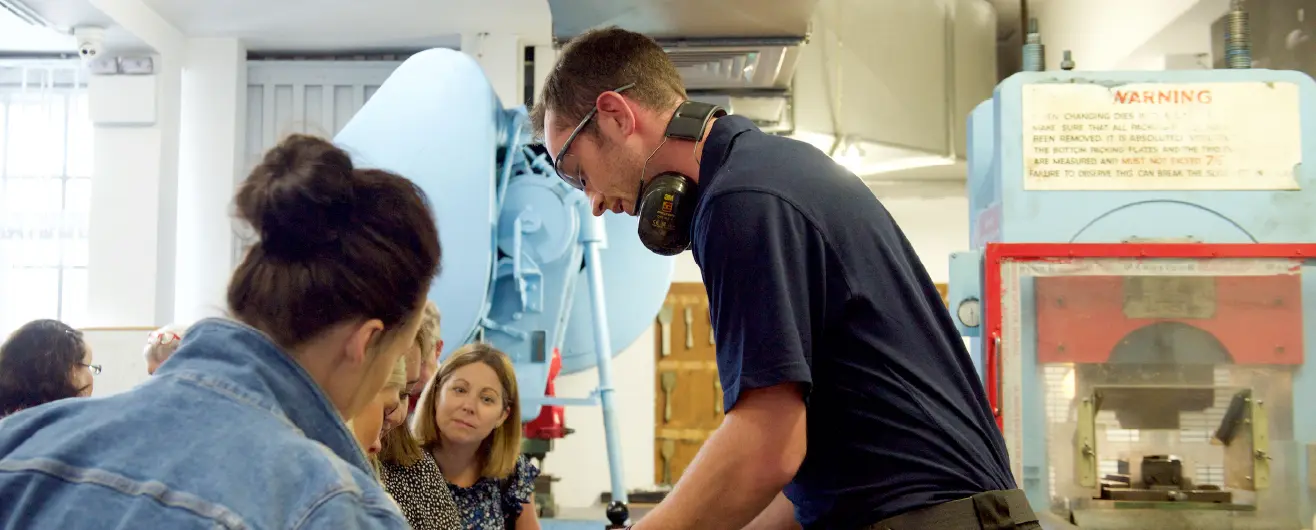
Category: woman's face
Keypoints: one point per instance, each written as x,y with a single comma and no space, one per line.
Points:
369,426
395,408
82,377
471,405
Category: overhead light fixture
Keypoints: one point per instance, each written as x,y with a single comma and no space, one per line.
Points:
900,164
864,158
851,158
854,158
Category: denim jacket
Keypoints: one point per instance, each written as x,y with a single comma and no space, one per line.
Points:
230,433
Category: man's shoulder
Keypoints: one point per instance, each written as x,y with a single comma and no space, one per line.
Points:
772,169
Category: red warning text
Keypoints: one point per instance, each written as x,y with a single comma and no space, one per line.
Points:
1162,96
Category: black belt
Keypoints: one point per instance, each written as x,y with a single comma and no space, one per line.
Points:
991,510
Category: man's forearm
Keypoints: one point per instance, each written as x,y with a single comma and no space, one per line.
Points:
780,515
725,487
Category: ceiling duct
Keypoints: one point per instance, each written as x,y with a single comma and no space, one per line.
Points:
740,54
886,86
883,86
771,112
25,13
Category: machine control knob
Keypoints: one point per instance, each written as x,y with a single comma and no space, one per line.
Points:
970,312
617,514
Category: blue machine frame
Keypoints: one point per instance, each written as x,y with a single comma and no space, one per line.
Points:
1004,210
517,241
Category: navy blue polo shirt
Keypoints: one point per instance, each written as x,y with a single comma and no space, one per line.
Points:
811,281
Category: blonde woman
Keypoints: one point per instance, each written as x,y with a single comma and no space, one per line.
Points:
400,448
369,426
469,425
402,455
162,343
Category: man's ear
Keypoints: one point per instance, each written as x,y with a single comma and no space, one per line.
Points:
615,115
363,338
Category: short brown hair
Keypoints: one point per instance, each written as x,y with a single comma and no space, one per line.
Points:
36,365
427,338
606,59
336,244
500,450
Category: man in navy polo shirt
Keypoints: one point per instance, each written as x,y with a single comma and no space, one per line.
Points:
850,400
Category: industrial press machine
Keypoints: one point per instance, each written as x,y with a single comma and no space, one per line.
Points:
1139,290
526,266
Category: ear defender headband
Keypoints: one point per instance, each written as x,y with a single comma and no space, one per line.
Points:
668,201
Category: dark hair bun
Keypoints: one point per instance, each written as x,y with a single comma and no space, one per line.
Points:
300,197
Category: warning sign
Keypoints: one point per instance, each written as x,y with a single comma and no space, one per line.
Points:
1195,136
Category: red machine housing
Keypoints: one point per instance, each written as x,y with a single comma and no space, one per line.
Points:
1261,325
551,423
1081,319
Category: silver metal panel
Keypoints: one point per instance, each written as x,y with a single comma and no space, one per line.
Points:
725,45
684,19
311,97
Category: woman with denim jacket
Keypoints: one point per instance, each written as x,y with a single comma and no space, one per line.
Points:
253,407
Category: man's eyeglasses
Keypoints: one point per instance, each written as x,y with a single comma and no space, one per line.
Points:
95,368
566,164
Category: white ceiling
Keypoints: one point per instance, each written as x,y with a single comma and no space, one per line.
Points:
320,25
353,24
18,36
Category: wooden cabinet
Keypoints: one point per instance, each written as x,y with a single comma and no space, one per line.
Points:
688,404
689,395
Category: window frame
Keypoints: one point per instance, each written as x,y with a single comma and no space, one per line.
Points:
65,84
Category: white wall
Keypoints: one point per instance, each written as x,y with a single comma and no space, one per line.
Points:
1101,35
214,95
130,259
935,226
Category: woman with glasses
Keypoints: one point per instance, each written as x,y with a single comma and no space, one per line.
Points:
44,361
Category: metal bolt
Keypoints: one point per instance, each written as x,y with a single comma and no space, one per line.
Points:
1238,39
1034,51
1067,61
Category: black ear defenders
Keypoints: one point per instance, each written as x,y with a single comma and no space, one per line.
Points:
667,202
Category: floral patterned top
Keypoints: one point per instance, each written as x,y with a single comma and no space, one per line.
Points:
484,505
481,506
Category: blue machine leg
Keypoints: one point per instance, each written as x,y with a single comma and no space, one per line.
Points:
594,237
